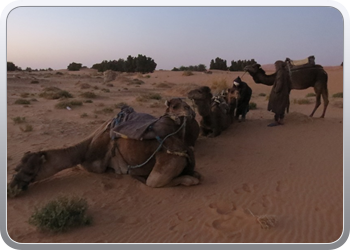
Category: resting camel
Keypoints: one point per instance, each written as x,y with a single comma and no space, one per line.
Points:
160,158
214,111
302,77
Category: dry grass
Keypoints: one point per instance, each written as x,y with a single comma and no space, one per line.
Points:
19,120
310,95
146,97
55,93
22,102
88,94
27,128
64,104
61,214
187,73
265,221
252,105
218,85
302,101
338,95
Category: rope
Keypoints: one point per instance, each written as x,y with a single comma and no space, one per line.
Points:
159,147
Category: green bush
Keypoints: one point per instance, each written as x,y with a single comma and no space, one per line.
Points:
252,105
61,214
74,66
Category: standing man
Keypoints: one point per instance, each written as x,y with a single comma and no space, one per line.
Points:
279,96
244,95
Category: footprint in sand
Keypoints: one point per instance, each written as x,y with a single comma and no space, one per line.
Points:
222,207
245,187
228,228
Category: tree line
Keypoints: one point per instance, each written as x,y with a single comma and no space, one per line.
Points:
140,64
221,64
144,64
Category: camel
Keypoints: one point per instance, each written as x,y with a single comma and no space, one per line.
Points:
302,77
230,95
159,161
214,111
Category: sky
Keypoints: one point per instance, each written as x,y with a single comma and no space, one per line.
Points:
54,37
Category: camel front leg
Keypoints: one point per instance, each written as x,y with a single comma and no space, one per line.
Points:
167,170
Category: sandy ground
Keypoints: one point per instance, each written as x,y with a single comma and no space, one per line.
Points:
291,174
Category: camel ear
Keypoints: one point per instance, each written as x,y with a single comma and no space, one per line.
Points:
167,103
258,65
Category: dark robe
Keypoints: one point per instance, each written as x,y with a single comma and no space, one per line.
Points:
279,96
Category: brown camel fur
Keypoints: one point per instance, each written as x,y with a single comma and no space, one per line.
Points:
214,111
191,131
173,164
301,78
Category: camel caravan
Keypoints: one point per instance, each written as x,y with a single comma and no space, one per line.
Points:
159,151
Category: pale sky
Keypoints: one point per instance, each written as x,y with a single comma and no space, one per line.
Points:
53,37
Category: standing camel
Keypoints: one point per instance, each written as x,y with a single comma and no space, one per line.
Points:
301,77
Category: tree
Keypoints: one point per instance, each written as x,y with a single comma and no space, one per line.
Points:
74,66
11,66
219,64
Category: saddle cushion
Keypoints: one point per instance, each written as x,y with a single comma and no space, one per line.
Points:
133,125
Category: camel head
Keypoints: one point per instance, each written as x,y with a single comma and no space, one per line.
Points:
178,107
202,98
202,93
252,69
232,94
26,170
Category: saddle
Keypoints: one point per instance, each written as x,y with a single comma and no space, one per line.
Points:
129,124
301,64
221,103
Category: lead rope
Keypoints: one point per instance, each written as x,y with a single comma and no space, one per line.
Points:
159,147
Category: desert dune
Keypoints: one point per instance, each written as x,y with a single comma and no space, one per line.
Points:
260,184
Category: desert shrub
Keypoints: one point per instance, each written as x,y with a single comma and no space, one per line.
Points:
88,101
252,105
302,101
34,82
105,90
18,120
262,94
64,104
163,85
88,94
22,101
24,95
310,95
74,66
338,95
27,128
61,214
83,115
55,93
187,73
145,97
59,73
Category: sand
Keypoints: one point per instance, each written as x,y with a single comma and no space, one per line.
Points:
260,184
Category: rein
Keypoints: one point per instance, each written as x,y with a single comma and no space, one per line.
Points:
159,147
